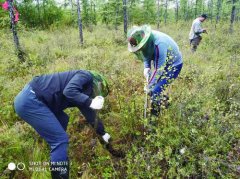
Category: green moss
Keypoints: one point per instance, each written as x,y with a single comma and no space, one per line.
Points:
202,121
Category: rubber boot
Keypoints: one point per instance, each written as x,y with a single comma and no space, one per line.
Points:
165,102
60,170
155,109
156,106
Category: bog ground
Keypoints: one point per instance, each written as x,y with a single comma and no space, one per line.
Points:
198,136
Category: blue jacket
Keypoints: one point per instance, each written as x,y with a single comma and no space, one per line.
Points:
67,89
166,51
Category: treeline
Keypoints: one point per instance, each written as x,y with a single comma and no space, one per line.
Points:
45,13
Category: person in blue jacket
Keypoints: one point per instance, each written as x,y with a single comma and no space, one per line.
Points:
41,104
159,50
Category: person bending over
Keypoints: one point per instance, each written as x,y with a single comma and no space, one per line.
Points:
42,102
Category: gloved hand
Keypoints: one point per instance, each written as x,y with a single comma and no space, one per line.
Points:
97,102
205,31
147,73
106,137
106,141
146,89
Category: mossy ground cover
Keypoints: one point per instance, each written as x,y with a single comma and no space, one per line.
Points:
197,136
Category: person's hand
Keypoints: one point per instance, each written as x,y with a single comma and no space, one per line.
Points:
147,73
107,142
146,89
205,31
106,137
97,102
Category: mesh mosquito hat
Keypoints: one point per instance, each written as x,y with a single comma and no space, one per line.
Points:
137,37
100,85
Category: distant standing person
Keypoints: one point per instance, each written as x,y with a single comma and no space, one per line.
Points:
42,102
159,50
196,31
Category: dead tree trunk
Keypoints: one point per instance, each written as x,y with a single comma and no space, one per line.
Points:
44,20
116,19
176,10
80,22
219,4
38,8
94,12
71,3
125,15
165,13
218,11
158,14
233,14
210,9
20,53
184,12
196,8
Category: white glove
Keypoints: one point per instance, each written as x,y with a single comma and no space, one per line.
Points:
147,73
106,137
146,88
97,102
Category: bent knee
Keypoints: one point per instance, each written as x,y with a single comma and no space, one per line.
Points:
63,138
59,141
19,105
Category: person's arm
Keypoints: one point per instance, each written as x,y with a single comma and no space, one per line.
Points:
147,69
73,90
198,29
91,117
160,63
147,63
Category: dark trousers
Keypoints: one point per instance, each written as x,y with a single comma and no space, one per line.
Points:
169,74
51,127
195,42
